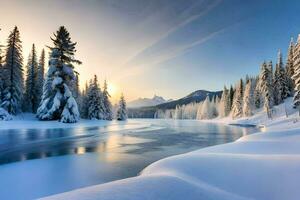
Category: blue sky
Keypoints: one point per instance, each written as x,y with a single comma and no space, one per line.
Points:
164,47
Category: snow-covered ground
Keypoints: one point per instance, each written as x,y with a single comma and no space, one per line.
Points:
29,121
259,166
284,117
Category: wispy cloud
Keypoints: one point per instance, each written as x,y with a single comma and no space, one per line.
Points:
188,15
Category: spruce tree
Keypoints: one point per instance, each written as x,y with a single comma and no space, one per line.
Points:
40,77
230,96
13,73
257,93
290,68
30,103
95,100
248,100
58,102
224,104
296,80
281,89
106,103
266,87
1,74
122,110
84,102
237,106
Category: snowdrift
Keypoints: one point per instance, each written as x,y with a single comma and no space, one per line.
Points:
259,166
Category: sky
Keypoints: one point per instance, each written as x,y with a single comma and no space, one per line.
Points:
164,47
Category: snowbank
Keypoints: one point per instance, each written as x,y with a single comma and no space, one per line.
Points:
284,117
29,121
4,115
259,166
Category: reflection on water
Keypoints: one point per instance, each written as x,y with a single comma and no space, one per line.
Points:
97,154
162,138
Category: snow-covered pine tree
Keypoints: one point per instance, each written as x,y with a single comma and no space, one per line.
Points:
95,100
178,112
40,77
57,100
248,101
13,73
106,102
281,89
122,110
30,102
257,93
224,110
266,87
206,110
84,106
296,80
290,67
230,97
237,106
1,74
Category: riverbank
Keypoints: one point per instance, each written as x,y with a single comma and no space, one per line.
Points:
259,166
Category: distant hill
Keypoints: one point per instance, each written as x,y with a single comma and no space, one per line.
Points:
148,111
196,96
146,102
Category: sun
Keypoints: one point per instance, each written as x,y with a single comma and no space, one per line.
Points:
112,89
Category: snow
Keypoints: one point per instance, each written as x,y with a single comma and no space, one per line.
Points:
29,121
259,166
4,115
145,102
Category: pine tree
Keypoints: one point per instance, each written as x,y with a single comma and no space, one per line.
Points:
206,109
230,96
237,107
95,100
106,102
224,104
290,68
1,75
122,110
77,87
296,80
257,93
84,106
40,77
30,97
266,87
13,73
281,90
248,100
57,100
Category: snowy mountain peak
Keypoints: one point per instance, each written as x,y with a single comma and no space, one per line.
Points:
145,102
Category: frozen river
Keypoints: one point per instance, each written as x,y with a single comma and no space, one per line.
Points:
40,162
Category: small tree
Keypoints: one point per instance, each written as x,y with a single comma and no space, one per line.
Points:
84,106
122,110
30,103
108,113
280,82
95,100
224,104
290,68
266,87
248,100
40,77
237,107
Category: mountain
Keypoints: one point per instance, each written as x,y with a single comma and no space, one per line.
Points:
146,102
196,96
148,111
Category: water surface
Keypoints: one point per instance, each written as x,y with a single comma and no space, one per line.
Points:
40,162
